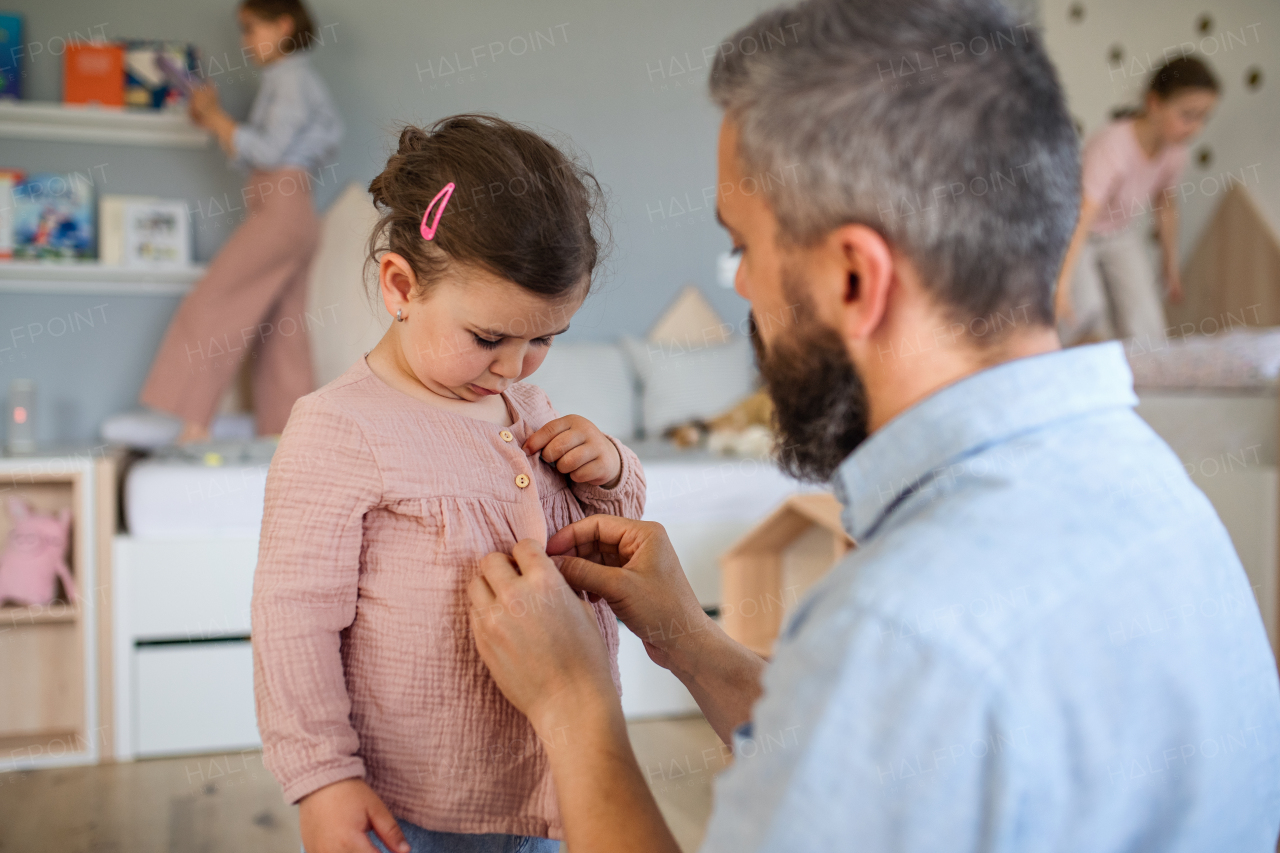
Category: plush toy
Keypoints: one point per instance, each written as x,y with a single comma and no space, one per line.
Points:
35,556
744,430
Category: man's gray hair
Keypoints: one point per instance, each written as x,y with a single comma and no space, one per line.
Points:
939,123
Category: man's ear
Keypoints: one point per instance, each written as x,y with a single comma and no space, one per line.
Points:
867,263
397,282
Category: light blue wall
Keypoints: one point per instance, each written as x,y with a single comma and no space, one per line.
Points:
623,80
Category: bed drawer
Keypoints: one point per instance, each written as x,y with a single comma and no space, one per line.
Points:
186,588
194,697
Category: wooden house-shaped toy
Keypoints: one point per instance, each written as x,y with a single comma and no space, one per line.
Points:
766,573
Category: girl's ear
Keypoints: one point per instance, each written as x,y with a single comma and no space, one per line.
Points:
64,517
397,281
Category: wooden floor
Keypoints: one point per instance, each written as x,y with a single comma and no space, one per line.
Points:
231,804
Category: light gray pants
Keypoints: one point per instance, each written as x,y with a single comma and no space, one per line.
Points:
1115,292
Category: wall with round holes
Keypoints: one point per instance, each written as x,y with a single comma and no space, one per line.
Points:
1106,50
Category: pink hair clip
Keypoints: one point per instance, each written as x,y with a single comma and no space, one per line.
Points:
429,231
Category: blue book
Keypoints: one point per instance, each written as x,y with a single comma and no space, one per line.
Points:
11,51
53,217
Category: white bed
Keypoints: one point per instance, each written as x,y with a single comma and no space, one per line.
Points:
1214,400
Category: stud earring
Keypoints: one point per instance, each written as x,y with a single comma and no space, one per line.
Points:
400,315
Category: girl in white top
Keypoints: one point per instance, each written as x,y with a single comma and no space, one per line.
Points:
253,299
1132,166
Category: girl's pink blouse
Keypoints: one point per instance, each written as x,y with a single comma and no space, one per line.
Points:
379,508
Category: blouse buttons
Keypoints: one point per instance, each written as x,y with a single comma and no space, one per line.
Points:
522,480
506,435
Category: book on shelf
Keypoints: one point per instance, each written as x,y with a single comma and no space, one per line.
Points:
9,178
143,231
11,51
93,73
53,217
158,73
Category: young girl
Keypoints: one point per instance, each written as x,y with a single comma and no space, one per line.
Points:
255,291
391,483
1107,288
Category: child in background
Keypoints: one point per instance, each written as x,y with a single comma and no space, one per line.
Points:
255,292
1107,288
392,482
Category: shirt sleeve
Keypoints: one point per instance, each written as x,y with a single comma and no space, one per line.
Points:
898,749
1100,170
322,480
262,144
626,499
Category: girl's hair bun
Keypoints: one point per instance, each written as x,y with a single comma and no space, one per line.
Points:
412,140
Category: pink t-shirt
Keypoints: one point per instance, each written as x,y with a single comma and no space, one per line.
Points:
379,508
1122,181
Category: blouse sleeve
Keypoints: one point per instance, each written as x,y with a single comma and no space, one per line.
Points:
625,499
322,480
262,144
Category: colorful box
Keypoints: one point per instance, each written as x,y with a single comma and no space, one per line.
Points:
93,74
145,82
53,217
11,51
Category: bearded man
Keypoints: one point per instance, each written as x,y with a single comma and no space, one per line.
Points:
1020,654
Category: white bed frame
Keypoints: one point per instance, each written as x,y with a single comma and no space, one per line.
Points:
184,665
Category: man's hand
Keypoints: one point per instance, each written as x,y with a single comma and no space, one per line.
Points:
632,566
541,642
336,817
577,447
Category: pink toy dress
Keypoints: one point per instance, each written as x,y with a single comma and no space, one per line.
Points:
35,556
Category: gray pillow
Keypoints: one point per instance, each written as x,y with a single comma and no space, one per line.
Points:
678,384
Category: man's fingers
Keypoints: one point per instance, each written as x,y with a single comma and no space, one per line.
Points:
480,593
387,828
498,569
599,532
530,557
543,436
589,576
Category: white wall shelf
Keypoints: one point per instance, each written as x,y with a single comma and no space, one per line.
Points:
93,279
74,123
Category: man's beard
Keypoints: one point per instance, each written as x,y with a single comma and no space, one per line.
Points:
820,403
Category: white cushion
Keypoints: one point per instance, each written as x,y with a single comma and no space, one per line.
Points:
343,323
146,429
679,384
592,380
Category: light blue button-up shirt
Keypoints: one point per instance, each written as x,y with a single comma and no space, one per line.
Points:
292,122
1044,641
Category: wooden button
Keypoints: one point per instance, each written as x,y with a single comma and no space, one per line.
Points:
522,480
506,435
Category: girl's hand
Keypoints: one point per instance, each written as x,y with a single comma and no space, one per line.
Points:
576,447
336,817
202,103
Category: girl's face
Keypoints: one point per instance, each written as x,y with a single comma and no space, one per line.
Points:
265,41
473,334
1182,115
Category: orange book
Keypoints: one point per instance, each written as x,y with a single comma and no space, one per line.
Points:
93,74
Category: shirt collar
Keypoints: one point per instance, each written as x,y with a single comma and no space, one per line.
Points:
986,408
295,58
